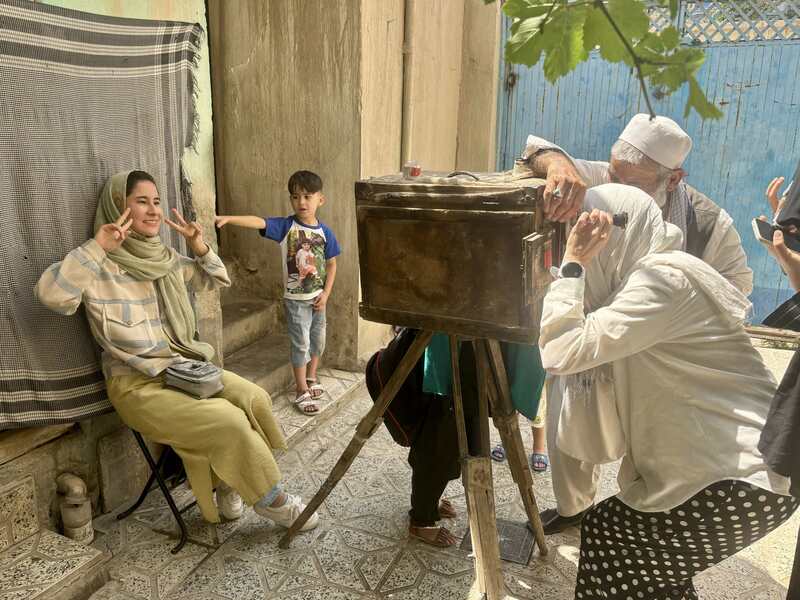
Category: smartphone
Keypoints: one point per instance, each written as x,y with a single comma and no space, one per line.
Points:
764,230
790,213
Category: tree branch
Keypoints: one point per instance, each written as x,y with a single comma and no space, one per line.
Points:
637,62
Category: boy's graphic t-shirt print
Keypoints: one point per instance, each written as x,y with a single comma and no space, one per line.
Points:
304,249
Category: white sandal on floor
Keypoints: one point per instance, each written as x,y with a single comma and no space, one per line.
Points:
315,388
306,400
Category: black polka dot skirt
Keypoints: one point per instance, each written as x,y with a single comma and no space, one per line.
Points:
630,555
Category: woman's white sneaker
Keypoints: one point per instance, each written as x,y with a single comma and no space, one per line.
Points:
229,502
287,513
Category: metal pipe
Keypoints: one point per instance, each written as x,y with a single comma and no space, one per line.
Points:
76,508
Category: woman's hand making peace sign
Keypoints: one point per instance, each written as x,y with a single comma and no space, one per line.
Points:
111,235
190,231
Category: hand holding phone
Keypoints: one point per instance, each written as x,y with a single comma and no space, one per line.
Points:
765,232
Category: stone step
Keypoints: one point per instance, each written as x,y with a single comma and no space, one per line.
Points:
264,362
339,386
245,320
48,566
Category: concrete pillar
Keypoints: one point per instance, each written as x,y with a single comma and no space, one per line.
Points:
480,77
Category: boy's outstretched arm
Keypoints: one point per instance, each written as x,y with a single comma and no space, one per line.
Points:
251,222
330,274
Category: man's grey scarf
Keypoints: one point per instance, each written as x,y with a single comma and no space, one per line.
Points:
677,210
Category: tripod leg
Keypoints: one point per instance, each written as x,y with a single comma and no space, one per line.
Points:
365,428
507,423
477,476
479,489
458,404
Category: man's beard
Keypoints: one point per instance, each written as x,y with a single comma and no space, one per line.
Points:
661,195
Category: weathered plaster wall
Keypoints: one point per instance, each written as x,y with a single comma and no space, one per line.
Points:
287,97
479,83
432,82
382,27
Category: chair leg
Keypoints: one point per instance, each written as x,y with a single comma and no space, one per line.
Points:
147,487
155,468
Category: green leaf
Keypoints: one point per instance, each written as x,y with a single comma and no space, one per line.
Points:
526,42
597,32
651,44
563,38
693,57
631,18
671,78
673,9
697,100
670,37
524,9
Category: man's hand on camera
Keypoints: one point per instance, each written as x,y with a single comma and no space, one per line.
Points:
564,189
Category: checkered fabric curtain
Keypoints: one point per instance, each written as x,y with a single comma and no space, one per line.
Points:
83,96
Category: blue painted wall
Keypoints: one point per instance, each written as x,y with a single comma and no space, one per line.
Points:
733,159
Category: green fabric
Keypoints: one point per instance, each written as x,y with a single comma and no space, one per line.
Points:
523,367
147,259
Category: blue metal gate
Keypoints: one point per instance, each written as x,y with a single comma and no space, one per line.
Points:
752,71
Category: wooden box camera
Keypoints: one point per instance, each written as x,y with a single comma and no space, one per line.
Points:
467,259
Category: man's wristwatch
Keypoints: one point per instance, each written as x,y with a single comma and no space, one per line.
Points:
570,269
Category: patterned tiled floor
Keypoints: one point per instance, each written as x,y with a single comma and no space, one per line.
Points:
360,549
42,561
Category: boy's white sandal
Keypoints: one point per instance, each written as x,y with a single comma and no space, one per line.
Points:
306,403
315,388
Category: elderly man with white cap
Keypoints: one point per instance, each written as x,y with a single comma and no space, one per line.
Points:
648,155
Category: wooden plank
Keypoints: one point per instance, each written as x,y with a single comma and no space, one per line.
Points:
506,420
458,405
504,405
510,435
482,370
365,428
450,325
784,336
477,477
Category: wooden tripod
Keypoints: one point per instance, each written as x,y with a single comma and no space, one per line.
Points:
476,471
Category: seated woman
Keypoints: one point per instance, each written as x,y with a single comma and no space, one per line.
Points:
134,291
651,341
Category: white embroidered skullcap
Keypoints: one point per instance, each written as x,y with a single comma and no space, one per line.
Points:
660,139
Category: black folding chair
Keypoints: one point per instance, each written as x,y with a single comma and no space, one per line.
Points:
156,474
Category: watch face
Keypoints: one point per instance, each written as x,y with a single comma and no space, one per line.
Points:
571,269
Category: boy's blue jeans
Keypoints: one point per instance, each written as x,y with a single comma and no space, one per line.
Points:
306,330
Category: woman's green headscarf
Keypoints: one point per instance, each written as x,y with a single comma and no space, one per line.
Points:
147,259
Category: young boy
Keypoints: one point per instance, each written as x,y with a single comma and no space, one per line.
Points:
309,250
